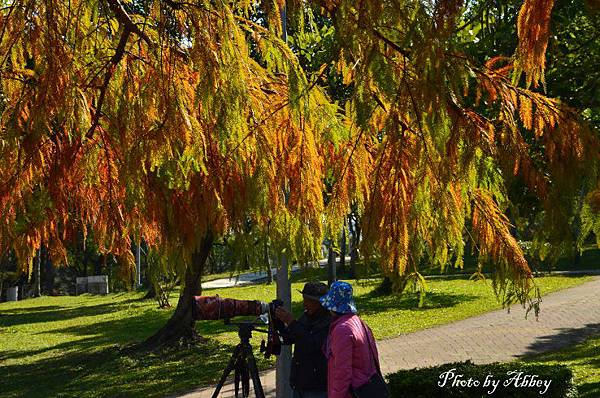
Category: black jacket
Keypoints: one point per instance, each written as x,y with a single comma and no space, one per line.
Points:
309,365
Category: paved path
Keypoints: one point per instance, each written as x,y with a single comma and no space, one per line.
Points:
567,317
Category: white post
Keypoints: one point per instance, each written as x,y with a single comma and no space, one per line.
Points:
37,287
284,360
284,293
138,266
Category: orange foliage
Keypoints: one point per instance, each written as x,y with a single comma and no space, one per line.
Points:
533,29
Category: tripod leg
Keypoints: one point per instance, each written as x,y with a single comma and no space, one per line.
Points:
253,369
239,366
230,366
245,379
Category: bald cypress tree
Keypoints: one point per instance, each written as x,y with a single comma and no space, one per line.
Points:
179,122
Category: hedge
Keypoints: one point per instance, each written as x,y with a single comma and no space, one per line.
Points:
452,380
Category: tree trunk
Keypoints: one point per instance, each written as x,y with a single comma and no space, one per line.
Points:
98,267
385,288
48,275
269,274
181,324
343,250
37,287
151,293
577,257
110,273
355,240
104,268
2,275
331,274
268,264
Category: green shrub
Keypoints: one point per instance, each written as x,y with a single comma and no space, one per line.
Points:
429,382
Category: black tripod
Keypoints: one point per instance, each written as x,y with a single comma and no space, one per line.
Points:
243,364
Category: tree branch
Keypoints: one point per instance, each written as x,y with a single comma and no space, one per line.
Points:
112,64
125,20
390,43
129,27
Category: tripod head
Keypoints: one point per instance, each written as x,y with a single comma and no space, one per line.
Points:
245,329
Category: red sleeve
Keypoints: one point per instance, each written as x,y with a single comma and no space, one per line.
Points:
342,346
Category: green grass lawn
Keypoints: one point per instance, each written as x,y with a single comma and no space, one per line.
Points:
70,346
583,359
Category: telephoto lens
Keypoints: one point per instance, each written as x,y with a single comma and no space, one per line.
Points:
215,307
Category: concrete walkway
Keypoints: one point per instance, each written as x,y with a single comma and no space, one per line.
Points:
567,317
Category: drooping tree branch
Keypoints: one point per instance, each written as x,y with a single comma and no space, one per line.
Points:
128,27
403,51
112,64
125,20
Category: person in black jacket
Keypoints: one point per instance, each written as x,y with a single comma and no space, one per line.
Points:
308,376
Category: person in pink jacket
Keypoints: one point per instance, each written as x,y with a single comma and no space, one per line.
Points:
350,360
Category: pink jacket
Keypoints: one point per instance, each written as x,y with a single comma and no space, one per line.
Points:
349,361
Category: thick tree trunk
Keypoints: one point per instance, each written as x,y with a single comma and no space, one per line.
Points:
181,324
385,288
151,293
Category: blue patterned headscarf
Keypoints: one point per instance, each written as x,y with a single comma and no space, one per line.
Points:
339,299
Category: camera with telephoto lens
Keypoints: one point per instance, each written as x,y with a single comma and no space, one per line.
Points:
215,308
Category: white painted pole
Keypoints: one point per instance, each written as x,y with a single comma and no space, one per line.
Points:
284,360
284,293
138,265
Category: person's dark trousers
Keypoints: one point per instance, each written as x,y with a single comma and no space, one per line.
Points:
310,394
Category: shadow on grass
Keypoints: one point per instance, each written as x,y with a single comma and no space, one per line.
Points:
582,358
29,315
374,302
589,390
108,373
95,366
564,338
